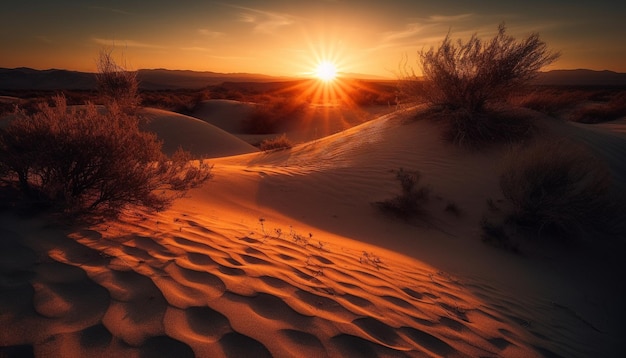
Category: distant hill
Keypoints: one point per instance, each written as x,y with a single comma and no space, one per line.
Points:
28,79
153,79
175,79
156,79
581,77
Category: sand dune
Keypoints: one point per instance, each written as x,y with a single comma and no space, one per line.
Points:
225,114
186,288
198,137
282,254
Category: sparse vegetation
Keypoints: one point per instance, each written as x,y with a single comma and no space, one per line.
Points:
278,143
116,83
613,109
558,189
273,114
495,235
478,130
464,79
409,204
91,160
550,100
468,75
453,209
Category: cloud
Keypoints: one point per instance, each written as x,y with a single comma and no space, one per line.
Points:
264,21
44,39
209,33
124,43
423,30
439,19
197,49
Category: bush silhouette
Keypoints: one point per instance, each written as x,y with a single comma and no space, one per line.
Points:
560,190
92,160
469,74
115,83
410,203
277,143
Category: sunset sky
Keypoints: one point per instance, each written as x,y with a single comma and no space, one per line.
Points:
288,37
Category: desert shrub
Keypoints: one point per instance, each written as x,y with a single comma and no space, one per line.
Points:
495,235
558,189
92,160
274,114
550,101
410,87
409,203
613,109
469,74
179,101
115,83
479,130
280,142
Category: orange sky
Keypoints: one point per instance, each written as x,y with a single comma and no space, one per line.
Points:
286,37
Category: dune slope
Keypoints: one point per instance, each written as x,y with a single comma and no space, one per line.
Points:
282,254
198,137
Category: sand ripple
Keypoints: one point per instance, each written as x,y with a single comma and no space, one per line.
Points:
189,289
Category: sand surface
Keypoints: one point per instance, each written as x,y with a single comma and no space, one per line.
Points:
193,135
282,254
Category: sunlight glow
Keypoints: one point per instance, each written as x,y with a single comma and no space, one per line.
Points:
326,71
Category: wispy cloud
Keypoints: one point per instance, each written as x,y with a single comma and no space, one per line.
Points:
445,19
197,49
44,39
125,43
422,30
264,21
210,33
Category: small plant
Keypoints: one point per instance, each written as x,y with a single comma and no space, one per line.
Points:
453,209
299,239
278,143
370,259
262,223
559,189
409,204
492,206
495,235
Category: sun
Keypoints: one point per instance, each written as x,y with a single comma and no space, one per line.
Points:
326,71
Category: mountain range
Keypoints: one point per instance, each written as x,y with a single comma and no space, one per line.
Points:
160,79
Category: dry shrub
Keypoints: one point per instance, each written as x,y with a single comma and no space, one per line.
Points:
550,101
274,114
278,143
558,189
115,83
462,78
179,101
90,160
409,204
602,112
478,130
469,74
